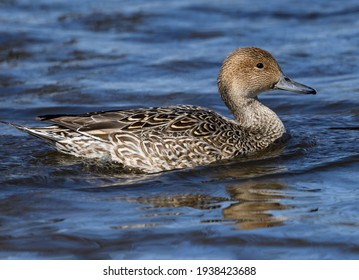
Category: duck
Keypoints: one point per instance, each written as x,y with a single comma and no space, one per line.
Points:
156,139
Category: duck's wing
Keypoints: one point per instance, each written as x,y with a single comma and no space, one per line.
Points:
190,120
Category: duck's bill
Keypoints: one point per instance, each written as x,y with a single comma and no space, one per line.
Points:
285,83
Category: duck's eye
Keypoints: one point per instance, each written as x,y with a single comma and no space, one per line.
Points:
260,65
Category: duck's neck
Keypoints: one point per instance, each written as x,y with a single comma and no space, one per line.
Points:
260,121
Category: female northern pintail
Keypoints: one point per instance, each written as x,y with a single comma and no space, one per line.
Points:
164,138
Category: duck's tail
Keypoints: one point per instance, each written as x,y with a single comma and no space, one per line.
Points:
44,133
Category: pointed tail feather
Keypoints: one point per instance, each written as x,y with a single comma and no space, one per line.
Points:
41,133
19,127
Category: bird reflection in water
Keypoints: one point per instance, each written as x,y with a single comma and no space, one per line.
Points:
255,205
250,205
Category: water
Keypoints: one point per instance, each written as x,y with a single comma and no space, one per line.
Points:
80,56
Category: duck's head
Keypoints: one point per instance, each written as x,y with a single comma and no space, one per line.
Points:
247,72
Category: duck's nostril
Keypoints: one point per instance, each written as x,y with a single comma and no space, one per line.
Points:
287,79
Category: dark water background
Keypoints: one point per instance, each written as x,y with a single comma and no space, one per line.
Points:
87,55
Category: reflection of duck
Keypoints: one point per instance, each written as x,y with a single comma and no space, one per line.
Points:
157,139
197,201
250,206
255,201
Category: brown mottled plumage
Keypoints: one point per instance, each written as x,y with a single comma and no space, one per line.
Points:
165,138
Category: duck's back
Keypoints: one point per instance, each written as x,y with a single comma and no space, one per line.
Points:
153,139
